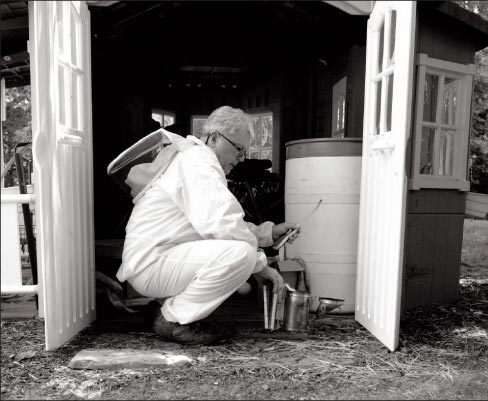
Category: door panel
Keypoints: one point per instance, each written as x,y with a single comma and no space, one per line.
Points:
62,148
388,94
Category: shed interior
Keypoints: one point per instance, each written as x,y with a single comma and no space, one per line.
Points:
284,58
189,58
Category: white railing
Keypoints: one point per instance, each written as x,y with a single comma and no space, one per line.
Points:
11,268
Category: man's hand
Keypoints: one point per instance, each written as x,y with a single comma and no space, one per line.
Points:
280,229
270,274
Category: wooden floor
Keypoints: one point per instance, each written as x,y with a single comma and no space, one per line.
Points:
18,307
239,310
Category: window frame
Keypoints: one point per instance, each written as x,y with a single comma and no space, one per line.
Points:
380,137
259,149
444,69
197,117
163,112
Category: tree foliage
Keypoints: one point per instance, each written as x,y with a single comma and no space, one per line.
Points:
479,129
17,127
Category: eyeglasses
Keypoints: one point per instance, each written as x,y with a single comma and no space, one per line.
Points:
241,150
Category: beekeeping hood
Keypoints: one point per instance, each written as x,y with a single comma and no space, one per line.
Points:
137,167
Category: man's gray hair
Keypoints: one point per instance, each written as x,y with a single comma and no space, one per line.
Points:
227,121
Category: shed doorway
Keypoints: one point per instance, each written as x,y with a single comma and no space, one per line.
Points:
284,74
174,61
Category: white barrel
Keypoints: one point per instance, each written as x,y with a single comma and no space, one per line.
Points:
327,169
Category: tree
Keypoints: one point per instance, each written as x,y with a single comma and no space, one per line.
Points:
17,127
479,129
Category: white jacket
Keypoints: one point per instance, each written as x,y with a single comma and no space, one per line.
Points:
190,201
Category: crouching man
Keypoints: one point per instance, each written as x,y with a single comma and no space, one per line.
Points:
186,239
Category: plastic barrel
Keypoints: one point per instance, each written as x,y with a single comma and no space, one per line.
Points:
327,169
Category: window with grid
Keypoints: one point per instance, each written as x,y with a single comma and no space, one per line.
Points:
262,139
442,124
197,123
163,117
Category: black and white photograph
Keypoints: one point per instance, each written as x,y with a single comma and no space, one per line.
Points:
244,200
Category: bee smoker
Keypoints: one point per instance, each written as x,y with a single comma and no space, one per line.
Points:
297,305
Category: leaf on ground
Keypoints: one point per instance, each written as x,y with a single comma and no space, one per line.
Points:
25,355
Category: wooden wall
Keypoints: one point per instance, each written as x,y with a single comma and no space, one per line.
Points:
435,217
433,245
352,63
444,38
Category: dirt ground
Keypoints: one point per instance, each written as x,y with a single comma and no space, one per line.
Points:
443,355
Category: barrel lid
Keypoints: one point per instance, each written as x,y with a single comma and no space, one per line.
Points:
319,147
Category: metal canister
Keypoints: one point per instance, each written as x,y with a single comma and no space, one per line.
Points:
297,306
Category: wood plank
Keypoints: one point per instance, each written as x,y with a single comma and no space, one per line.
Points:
440,201
453,254
19,308
476,205
444,38
465,16
429,228
440,262
433,257
15,23
126,358
413,249
355,91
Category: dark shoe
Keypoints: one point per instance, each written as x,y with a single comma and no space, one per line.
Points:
225,329
183,333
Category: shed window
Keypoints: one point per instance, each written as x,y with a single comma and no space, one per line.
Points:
197,123
163,117
339,108
442,124
262,140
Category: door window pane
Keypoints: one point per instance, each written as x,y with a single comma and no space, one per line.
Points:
389,102
430,97
446,157
377,108
61,95
450,100
75,37
380,46
168,120
427,151
391,53
158,117
60,26
75,101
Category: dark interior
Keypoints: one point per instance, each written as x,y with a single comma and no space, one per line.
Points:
192,57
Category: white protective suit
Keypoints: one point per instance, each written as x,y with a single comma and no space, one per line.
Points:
186,239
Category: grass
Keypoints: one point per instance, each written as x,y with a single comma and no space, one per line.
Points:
443,355
475,243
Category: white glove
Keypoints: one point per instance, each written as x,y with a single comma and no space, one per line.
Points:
268,274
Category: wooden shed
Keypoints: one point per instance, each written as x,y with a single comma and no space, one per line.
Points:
396,74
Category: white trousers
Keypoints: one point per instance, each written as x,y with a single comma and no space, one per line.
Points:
196,277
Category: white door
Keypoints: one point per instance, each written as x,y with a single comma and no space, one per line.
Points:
62,148
387,107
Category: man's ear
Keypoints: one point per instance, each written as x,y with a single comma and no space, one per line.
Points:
212,139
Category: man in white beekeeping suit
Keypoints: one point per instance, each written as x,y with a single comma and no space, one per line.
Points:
186,240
